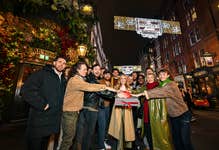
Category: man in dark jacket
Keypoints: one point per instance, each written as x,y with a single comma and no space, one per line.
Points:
88,115
44,91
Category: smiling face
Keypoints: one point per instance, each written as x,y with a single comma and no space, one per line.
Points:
96,71
107,76
163,76
123,80
82,70
59,64
150,78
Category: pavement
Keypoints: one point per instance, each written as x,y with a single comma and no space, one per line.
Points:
205,132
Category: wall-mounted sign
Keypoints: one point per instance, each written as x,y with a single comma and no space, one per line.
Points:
150,28
38,56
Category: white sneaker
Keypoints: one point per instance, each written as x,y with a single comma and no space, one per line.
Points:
107,146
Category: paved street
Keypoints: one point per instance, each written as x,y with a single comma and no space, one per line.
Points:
205,132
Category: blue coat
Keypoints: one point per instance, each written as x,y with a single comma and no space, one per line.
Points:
41,88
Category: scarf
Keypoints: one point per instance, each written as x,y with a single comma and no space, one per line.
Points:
163,83
146,106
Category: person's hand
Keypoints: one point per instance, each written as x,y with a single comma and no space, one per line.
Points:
146,94
46,107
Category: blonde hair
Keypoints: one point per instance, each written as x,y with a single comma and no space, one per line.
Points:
117,87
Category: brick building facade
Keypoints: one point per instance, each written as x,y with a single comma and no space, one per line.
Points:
193,56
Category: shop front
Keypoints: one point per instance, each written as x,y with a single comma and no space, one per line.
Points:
204,83
29,64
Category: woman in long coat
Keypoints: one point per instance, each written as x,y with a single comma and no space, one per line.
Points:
121,123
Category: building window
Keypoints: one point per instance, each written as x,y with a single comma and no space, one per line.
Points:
167,56
192,38
173,37
179,48
173,18
176,50
187,4
193,13
197,33
165,43
196,59
188,19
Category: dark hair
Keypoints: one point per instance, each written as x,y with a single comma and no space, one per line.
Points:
115,69
106,71
60,56
77,66
135,72
95,66
164,70
141,75
167,71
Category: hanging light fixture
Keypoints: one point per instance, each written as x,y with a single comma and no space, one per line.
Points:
82,50
85,7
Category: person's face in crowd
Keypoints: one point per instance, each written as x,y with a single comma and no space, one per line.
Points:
97,71
123,79
148,71
150,78
130,80
82,70
163,76
134,76
115,73
107,76
102,70
59,64
141,80
66,73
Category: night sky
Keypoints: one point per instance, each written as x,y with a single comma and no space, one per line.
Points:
124,47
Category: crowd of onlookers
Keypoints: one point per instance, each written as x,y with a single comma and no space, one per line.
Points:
75,109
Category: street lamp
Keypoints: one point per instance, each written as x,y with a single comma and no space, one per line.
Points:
82,50
86,9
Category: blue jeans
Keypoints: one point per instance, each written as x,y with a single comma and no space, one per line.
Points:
181,131
102,126
86,128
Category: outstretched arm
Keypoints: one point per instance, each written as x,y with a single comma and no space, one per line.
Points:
138,95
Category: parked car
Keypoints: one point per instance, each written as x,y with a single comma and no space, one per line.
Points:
200,102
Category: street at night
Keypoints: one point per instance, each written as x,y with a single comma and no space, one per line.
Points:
109,74
204,132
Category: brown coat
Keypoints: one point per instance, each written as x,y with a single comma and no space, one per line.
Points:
174,100
116,123
74,94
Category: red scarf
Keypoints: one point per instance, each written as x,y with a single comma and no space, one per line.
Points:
146,108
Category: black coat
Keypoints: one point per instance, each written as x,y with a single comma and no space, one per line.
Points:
42,88
95,99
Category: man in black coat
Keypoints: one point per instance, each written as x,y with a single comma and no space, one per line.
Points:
44,91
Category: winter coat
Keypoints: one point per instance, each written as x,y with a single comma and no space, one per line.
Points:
41,88
95,99
116,123
174,100
74,94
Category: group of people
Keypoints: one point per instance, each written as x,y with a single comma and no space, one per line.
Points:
78,109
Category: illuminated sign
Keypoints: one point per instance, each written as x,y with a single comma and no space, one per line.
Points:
128,69
150,28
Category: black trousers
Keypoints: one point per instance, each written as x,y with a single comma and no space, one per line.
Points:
39,143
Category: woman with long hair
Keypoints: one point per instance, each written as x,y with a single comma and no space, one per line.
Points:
121,124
